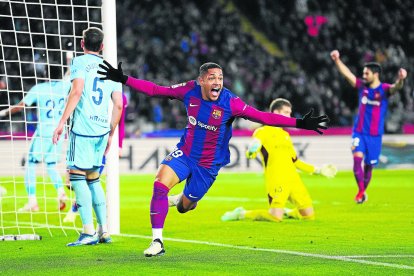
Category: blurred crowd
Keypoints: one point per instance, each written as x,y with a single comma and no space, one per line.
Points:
167,41
268,49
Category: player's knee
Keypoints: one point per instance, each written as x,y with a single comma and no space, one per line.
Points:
182,209
92,175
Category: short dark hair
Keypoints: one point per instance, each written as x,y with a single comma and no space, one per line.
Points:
374,67
93,38
278,103
208,65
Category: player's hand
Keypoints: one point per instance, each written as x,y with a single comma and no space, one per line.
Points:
328,170
108,146
56,134
3,113
402,74
110,73
312,123
251,155
335,55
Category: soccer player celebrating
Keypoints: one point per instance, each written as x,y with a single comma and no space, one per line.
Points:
282,180
90,135
49,98
204,146
369,123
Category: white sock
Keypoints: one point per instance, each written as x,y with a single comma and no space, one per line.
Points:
101,229
32,200
60,191
176,198
157,233
88,229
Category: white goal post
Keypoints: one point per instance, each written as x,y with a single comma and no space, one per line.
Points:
35,34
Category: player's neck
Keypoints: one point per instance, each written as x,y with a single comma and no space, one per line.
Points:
375,84
90,52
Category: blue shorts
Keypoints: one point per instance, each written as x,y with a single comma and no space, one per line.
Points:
43,149
86,153
369,145
199,179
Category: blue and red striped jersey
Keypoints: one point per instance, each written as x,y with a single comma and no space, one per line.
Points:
372,110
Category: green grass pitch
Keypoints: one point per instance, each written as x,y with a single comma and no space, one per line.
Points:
374,238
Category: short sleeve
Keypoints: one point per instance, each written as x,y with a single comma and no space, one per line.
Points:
77,71
386,87
117,86
31,96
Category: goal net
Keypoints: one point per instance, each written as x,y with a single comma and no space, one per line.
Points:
37,36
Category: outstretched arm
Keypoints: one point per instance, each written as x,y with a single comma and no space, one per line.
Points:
241,109
143,86
12,109
116,116
343,69
402,74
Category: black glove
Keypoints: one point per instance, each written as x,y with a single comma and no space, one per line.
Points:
110,73
312,123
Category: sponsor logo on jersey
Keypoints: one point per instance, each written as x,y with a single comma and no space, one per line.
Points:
194,122
178,85
168,158
216,114
365,100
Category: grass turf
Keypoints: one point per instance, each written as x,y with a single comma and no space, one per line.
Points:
346,238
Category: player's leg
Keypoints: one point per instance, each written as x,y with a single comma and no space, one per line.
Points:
198,183
371,159
30,184
358,149
97,192
34,156
173,170
300,197
52,155
81,150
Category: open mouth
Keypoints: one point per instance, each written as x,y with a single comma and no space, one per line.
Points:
215,91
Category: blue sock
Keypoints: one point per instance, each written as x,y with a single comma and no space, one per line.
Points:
98,200
54,175
83,198
30,178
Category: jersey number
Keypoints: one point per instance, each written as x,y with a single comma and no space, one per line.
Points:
51,105
177,153
97,99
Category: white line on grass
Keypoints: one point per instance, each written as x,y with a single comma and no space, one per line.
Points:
289,252
352,259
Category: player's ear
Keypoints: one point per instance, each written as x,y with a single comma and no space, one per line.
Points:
82,43
101,48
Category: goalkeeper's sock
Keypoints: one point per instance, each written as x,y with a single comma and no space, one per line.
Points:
260,215
159,205
83,201
98,200
30,179
359,173
54,175
367,175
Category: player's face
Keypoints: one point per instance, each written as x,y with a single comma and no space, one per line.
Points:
211,84
285,111
368,76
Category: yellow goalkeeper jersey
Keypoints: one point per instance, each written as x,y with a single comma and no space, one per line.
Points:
277,151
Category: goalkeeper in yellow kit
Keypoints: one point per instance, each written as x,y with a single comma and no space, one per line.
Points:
282,180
